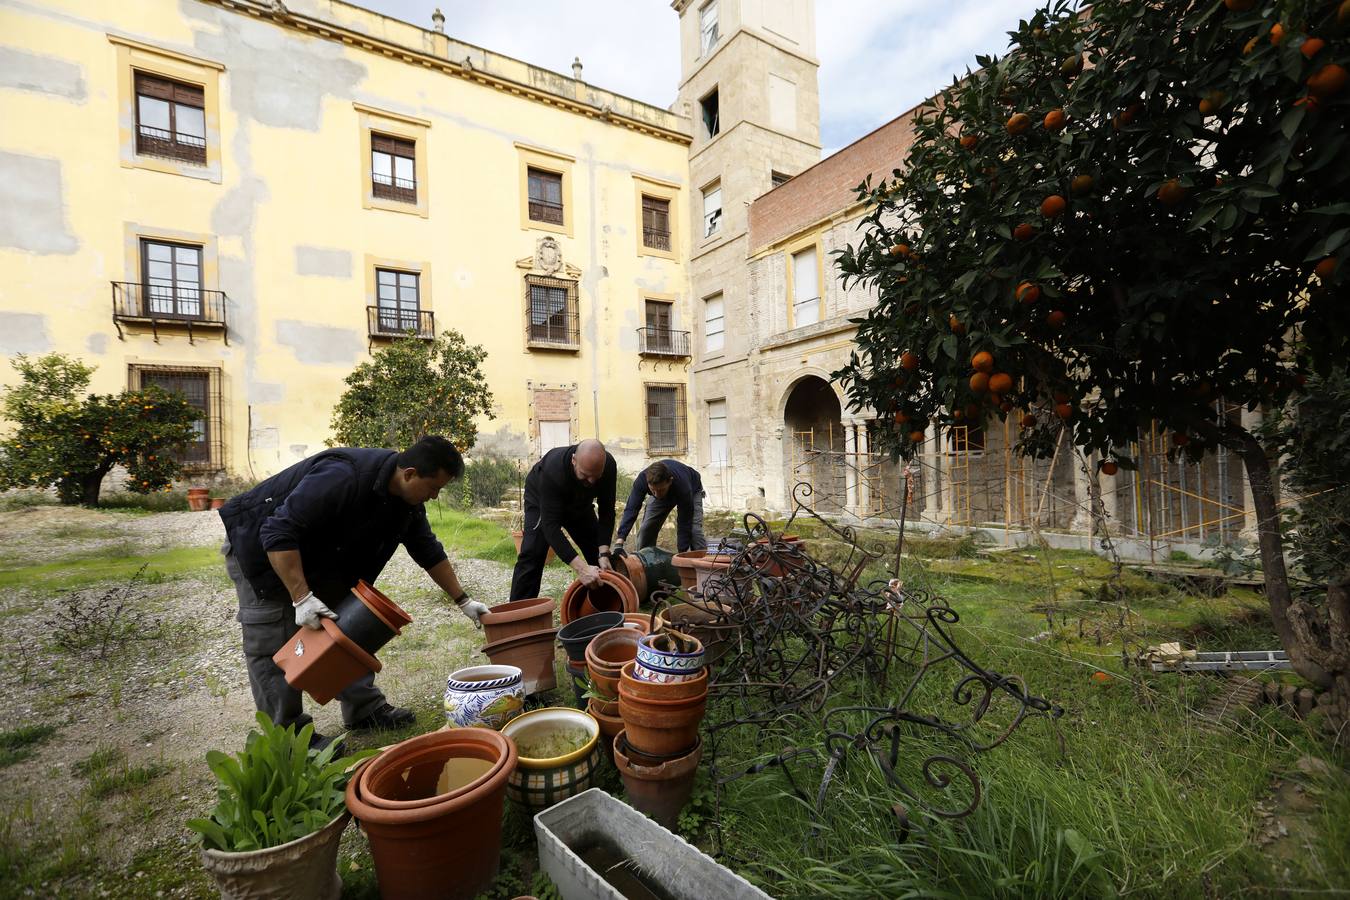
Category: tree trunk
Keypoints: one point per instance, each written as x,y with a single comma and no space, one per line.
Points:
91,484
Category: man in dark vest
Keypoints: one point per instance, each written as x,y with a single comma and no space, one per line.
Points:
562,493
303,538
671,485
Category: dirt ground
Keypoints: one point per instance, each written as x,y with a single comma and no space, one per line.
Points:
171,688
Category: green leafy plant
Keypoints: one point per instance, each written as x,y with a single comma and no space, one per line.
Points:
71,442
413,388
275,790
488,478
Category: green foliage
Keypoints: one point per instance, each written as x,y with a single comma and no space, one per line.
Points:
275,790
17,744
413,388
488,479
1314,436
70,442
1182,273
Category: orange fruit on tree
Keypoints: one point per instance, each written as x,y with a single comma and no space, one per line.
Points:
1327,81
1006,406
955,324
1064,411
1000,383
916,437
1028,293
968,141
901,417
908,361
1126,115
1326,268
1057,318
1311,47
957,415
1018,123
1171,193
1250,45
1277,34
979,382
1080,184
900,250
1110,468
1054,119
1028,420
1212,103
1024,232
1309,101
1053,206
1239,5
982,361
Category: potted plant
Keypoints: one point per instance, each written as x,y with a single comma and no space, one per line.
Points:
280,810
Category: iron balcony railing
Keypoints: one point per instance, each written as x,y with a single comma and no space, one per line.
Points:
544,211
173,145
663,342
656,238
392,322
387,187
168,305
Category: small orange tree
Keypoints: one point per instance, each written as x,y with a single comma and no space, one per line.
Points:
1139,212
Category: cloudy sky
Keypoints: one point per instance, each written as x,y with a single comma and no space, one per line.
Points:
877,57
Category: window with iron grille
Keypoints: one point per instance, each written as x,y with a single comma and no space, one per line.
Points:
393,168
170,119
198,386
171,280
545,196
655,222
666,427
709,106
398,301
551,316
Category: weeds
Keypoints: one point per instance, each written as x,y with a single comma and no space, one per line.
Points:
108,773
103,622
19,744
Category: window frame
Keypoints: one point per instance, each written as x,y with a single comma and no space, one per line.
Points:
173,93
393,190
711,126
135,57
545,179
680,417
400,312
370,122
790,254
712,222
212,458
425,312
646,187
553,163
176,298
570,312
708,351
725,418
706,45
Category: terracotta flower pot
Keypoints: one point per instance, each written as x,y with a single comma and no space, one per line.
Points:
538,783
643,689
708,565
199,504
303,869
640,620
609,650
321,662
632,567
382,606
661,791
683,563
507,620
661,727
519,538
708,620
786,550
611,723
598,707
578,633
532,653
613,593
484,696
450,845
217,502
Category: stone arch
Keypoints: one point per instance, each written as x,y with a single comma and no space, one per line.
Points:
813,441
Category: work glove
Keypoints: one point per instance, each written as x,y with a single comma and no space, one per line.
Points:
310,609
473,609
617,551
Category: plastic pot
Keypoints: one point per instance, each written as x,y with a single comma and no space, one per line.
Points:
613,593
362,624
450,845
322,662
484,696
532,653
507,620
575,635
303,869
661,727
382,606
644,689
661,791
538,783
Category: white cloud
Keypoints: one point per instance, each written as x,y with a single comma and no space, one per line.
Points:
878,58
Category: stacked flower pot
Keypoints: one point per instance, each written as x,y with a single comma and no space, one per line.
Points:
663,695
606,655
521,634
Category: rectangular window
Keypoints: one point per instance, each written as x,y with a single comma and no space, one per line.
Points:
551,314
171,280
712,210
659,337
777,178
805,288
393,168
712,124
718,451
195,386
545,196
712,324
666,430
398,302
170,119
655,222
707,26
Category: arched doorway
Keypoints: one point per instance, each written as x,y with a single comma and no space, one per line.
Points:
813,438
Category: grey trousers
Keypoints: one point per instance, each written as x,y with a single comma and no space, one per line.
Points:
267,626
655,516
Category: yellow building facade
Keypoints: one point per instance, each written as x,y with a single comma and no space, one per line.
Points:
241,200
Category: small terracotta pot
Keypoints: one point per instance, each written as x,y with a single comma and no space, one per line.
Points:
657,690
613,593
198,492
519,538
506,620
661,791
532,653
609,650
639,620
484,696
578,633
451,845
198,503
661,727
611,723
596,706
217,502
322,662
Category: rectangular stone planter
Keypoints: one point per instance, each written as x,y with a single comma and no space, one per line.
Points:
594,825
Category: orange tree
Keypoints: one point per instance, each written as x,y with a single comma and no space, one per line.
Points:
1137,215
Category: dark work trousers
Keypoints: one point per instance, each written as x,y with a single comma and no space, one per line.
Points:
580,524
267,626
655,516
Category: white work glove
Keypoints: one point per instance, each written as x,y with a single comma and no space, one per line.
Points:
309,609
473,609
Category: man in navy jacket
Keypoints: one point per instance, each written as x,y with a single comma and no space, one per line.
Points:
563,492
303,538
671,485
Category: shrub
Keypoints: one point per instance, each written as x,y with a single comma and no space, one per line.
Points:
489,478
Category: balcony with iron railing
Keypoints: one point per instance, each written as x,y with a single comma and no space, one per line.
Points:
170,144
387,323
663,342
175,307
544,211
656,238
387,187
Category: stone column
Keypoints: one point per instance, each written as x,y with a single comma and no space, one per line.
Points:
941,465
863,462
932,479
850,474
1251,420
1082,495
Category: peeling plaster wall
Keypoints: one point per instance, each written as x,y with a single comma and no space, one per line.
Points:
26,71
32,205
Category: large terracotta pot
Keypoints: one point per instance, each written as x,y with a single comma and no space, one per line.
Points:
644,689
445,844
708,565
532,653
484,696
538,783
614,592
683,563
519,538
507,620
661,727
632,567
786,549
303,869
661,791
323,661
709,620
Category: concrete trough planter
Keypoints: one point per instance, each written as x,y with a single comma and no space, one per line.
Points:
590,836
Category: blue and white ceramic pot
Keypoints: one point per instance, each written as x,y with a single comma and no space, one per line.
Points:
670,652
488,696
